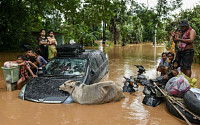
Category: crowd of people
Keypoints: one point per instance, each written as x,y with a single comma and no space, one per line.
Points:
33,63
181,56
168,65
172,63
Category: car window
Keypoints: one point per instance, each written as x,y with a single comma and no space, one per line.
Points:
94,65
67,67
99,59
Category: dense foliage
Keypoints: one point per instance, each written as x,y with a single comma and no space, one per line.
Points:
193,16
120,21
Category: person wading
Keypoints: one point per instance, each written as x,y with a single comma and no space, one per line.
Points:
186,52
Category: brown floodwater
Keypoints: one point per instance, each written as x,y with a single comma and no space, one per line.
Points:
130,110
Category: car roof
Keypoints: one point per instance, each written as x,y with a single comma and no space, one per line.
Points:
86,54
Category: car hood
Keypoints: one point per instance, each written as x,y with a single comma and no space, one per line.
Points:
46,90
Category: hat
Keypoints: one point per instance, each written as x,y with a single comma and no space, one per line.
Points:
184,23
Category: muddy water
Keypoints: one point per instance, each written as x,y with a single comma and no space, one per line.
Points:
129,110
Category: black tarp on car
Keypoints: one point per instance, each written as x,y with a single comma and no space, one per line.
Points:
43,89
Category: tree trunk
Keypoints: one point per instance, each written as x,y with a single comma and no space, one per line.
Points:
115,35
123,41
114,31
82,41
93,28
104,32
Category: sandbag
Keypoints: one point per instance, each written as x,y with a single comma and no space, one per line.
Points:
177,86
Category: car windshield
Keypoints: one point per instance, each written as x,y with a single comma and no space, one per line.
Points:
66,67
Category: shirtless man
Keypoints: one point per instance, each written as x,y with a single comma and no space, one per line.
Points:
186,50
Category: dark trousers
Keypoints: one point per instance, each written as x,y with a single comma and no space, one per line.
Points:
44,51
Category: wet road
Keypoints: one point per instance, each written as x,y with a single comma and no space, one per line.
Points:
129,110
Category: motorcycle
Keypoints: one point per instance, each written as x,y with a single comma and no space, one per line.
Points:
140,77
130,85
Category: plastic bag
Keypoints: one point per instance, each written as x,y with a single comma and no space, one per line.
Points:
196,91
10,64
192,81
177,86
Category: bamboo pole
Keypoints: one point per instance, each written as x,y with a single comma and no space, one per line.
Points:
182,106
188,122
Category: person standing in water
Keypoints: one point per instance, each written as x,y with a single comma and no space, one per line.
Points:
43,42
186,51
52,45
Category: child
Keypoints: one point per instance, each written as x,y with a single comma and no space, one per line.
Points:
173,65
163,65
41,64
52,45
43,42
23,72
175,47
171,60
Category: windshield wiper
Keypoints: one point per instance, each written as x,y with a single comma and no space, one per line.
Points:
62,76
74,76
48,75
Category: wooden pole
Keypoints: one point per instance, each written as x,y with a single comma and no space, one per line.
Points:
188,122
182,106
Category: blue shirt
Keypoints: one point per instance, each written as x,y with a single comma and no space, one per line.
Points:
42,60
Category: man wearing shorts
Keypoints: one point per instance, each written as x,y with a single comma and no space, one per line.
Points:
186,52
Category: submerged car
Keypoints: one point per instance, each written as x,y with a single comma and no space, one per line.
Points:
71,63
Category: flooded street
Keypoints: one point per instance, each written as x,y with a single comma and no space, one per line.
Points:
130,110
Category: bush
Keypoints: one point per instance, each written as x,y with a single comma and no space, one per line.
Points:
168,45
